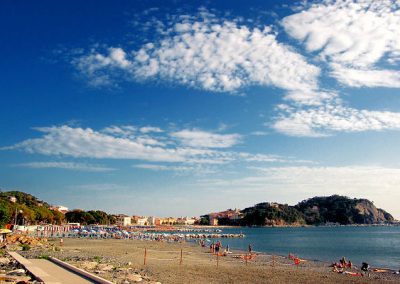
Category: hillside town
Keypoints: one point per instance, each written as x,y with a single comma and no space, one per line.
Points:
21,215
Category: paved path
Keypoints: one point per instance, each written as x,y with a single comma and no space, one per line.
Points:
49,272
57,274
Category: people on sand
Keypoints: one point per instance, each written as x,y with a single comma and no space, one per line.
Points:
341,265
250,248
365,268
217,246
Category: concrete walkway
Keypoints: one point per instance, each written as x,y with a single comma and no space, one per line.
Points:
49,272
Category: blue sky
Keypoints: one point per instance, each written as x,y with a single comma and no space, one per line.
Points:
169,108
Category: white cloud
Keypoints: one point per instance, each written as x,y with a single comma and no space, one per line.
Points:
120,131
147,129
366,78
84,143
355,36
198,150
179,169
208,53
311,97
259,133
379,184
92,65
325,120
67,166
202,139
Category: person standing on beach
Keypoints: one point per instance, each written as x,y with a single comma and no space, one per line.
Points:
250,248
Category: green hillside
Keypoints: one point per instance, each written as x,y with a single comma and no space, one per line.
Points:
26,210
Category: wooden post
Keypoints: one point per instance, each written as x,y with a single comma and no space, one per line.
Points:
145,256
246,258
180,262
273,260
217,259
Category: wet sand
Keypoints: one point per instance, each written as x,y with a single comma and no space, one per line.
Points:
163,264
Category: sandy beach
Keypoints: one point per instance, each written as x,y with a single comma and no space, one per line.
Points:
116,260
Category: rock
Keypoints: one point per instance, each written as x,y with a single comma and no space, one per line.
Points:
88,265
100,272
18,272
135,277
4,261
105,267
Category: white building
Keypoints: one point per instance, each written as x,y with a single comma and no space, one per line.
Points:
142,221
60,208
123,220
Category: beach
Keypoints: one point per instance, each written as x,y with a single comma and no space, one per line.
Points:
115,260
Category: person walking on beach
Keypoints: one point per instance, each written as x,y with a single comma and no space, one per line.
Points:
250,248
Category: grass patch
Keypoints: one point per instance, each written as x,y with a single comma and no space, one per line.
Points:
25,247
97,258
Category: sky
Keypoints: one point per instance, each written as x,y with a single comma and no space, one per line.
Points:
180,108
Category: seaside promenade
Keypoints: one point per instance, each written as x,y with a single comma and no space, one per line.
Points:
49,272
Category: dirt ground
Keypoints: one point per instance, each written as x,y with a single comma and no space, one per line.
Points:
163,264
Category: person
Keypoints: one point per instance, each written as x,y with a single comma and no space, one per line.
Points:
61,242
250,248
217,248
343,261
365,268
349,264
337,267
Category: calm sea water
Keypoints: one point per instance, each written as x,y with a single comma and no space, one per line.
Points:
378,246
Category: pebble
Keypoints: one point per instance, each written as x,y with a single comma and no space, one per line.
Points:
4,261
17,272
135,277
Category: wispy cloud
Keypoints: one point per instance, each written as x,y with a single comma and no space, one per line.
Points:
188,147
178,169
148,129
331,118
380,184
202,139
354,37
88,143
354,77
205,52
66,166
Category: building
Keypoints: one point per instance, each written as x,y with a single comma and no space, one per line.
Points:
185,221
60,208
169,221
214,220
142,221
151,221
123,220
12,199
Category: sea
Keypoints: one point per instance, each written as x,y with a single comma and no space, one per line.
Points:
379,246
